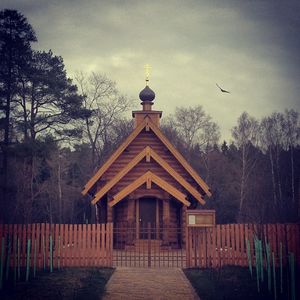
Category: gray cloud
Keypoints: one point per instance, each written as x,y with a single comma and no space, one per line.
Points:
249,47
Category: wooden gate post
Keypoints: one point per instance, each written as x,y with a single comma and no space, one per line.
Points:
111,243
187,246
149,243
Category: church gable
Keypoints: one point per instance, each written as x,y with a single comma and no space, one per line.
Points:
148,179
149,138
136,160
91,183
146,157
140,169
146,139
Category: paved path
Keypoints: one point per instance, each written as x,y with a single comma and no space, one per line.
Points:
149,283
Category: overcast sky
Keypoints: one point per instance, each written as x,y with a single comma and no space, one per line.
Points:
250,48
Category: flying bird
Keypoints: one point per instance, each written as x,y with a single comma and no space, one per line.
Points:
222,90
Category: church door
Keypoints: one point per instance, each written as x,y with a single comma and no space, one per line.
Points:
147,214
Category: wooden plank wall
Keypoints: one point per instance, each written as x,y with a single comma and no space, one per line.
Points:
227,244
146,138
72,244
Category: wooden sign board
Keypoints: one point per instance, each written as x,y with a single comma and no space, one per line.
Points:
201,218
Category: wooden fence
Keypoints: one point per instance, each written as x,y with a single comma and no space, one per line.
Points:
57,245
227,244
39,246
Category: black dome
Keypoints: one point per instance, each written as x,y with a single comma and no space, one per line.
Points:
147,94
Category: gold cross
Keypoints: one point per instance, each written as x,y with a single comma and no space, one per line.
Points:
147,72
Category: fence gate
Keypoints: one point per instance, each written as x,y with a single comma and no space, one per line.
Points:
148,246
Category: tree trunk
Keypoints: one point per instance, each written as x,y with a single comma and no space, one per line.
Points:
242,185
50,210
293,175
6,142
273,177
59,190
298,201
32,166
278,175
25,129
28,189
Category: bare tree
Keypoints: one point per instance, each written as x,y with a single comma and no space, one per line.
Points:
291,128
272,141
193,131
210,137
27,171
107,107
245,135
194,126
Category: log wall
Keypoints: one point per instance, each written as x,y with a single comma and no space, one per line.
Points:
145,138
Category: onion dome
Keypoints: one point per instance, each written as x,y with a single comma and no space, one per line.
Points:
147,94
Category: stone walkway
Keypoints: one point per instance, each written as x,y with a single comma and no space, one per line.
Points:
149,283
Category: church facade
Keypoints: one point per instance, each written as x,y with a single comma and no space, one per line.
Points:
146,182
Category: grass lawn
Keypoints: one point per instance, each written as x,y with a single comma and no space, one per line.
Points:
70,283
232,283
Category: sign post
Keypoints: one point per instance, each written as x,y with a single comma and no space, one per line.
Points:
201,218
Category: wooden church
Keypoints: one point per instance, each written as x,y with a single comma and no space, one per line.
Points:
146,181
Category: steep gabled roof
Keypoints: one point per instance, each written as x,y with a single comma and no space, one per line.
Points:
148,178
149,153
114,156
148,124
181,159
119,175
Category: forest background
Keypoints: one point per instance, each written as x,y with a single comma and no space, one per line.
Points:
55,132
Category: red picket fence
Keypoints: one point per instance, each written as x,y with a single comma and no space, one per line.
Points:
227,244
57,245
38,246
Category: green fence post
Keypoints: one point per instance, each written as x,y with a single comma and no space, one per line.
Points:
261,261
51,254
28,259
2,262
268,254
19,267
274,276
257,263
7,258
15,260
34,259
249,256
44,252
281,271
58,258
292,268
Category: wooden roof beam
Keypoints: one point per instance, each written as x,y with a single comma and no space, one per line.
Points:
129,189
180,158
116,154
120,175
176,176
147,151
146,178
170,189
